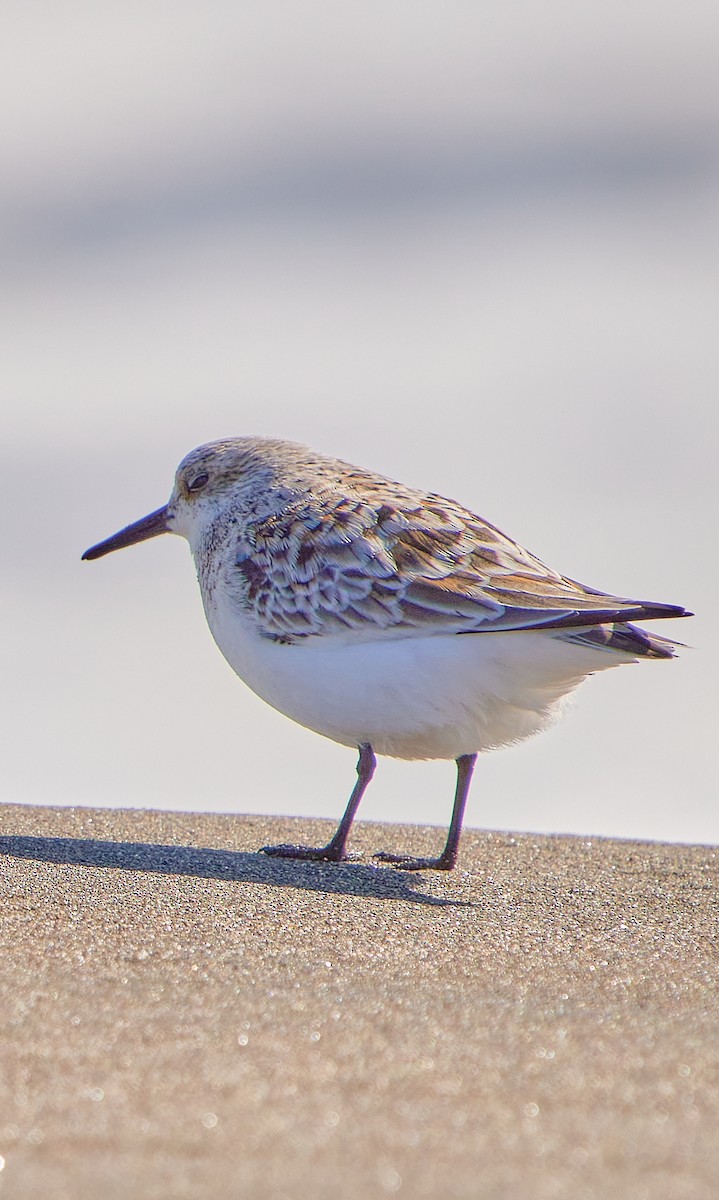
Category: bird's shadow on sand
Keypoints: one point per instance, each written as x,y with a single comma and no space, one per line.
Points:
230,866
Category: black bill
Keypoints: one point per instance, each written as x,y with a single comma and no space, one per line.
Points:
148,527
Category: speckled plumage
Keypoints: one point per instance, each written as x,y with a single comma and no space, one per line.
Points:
379,615
316,547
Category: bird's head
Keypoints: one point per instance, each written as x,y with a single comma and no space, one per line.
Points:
233,473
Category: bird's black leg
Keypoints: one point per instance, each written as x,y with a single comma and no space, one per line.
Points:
334,851
448,857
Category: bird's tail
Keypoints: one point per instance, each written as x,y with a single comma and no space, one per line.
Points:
625,639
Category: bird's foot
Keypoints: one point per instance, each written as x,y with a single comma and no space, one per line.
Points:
407,863
327,853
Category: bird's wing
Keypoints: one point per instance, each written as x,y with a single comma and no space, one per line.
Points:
402,563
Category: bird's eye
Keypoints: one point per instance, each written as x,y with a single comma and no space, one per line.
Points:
197,484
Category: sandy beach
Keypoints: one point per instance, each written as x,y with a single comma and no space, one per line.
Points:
183,1017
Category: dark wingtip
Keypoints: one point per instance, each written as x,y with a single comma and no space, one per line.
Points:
654,612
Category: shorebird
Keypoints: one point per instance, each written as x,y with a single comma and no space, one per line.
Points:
388,619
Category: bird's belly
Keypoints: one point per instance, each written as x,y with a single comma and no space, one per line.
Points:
411,697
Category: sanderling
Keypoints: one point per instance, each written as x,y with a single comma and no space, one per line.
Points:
388,619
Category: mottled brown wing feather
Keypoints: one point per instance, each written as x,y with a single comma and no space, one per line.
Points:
388,563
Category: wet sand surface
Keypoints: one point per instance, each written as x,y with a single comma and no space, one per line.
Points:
182,1017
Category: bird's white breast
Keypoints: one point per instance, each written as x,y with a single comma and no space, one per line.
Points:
409,697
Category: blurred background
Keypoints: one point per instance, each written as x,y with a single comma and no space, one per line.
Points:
470,245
